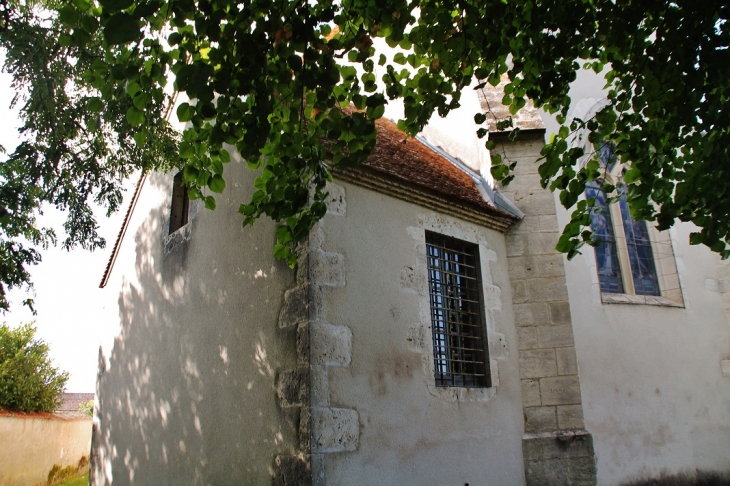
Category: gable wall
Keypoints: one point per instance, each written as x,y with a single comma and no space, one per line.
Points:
187,390
377,416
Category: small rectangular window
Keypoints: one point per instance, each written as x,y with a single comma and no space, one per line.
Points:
180,204
457,318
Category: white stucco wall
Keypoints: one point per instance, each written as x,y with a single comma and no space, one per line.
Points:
654,397
186,392
411,432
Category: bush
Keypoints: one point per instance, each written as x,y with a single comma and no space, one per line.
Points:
28,380
87,407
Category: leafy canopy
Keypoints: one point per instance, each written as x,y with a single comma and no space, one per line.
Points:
28,380
296,85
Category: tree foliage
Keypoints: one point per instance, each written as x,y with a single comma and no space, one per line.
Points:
28,380
295,86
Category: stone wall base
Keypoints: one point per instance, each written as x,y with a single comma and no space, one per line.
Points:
292,470
559,459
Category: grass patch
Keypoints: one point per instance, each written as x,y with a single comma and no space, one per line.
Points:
82,480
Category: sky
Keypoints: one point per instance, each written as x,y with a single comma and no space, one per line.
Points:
71,308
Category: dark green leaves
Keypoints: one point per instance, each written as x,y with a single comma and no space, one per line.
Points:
122,29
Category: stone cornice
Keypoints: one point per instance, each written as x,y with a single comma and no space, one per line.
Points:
417,195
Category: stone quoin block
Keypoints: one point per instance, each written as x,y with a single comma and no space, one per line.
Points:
560,390
530,393
335,429
567,363
540,419
293,470
336,201
559,312
531,314
327,268
330,345
296,307
527,337
555,336
570,417
547,289
537,363
293,387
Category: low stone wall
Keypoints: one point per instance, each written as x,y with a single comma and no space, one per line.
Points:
31,445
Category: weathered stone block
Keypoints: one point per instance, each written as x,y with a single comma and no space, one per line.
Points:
294,470
547,289
330,345
528,225
559,312
522,267
412,279
555,336
560,390
549,224
531,314
526,337
303,344
492,297
293,387
418,337
567,363
516,244
336,201
725,367
320,385
327,268
562,445
538,201
296,307
561,472
551,265
530,393
542,244
537,363
519,291
540,419
335,429
570,417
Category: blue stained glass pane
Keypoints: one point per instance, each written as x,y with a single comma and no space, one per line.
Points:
609,272
641,255
606,155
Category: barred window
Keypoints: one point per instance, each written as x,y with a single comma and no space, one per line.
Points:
457,319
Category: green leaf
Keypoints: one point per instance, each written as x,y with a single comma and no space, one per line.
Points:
185,112
122,29
140,138
209,202
135,117
217,184
186,151
95,105
110,6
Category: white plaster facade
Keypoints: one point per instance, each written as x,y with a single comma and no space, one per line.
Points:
229,368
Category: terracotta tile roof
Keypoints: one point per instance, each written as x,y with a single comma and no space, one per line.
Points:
413,162
71,401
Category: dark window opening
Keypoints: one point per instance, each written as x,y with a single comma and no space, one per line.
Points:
180,204
457,319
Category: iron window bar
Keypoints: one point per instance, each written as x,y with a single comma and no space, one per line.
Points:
457,319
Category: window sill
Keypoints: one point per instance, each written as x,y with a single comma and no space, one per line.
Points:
639,300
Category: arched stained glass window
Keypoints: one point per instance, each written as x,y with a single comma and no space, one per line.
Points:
609,270
641,256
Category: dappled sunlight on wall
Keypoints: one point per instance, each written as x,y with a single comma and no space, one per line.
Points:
186,394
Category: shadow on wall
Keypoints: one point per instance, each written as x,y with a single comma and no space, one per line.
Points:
187,394
691,478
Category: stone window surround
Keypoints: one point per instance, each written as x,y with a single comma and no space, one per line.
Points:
664,263
415,281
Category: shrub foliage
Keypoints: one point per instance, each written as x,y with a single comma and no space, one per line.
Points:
28,380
